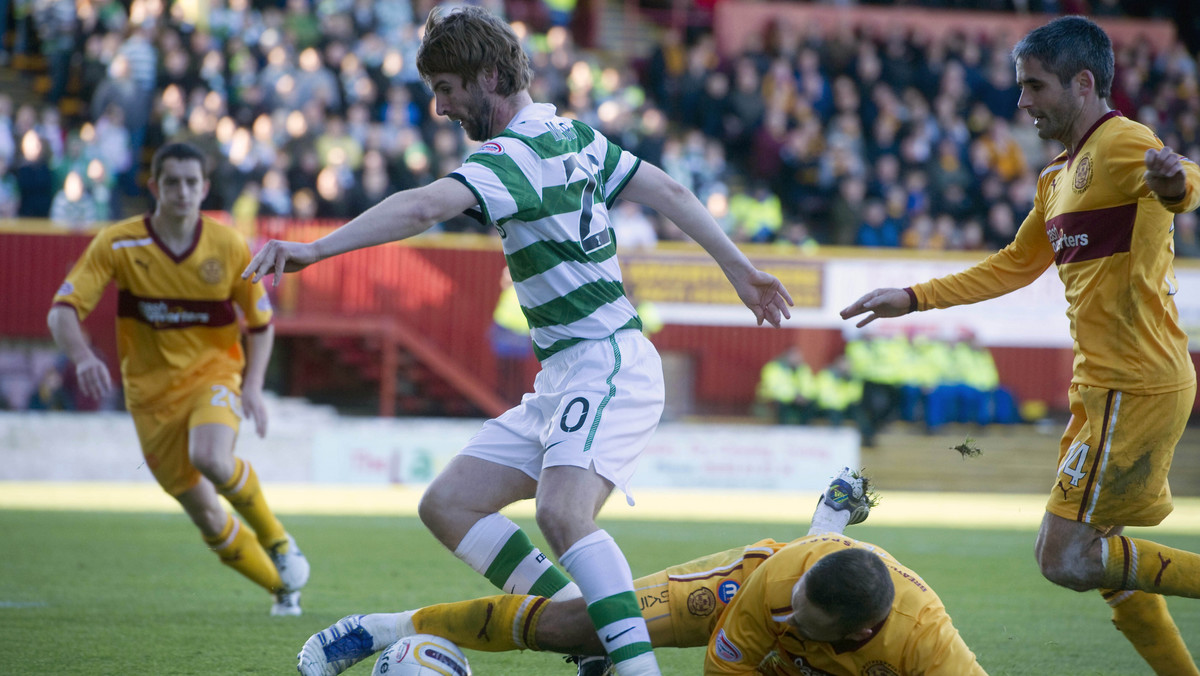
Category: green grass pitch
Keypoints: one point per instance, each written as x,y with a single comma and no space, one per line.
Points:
107,593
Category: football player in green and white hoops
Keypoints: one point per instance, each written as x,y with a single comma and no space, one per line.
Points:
547,184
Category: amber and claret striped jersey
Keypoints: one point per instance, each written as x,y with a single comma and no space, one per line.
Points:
1111,238
753,637
176,316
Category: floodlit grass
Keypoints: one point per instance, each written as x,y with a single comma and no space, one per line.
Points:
131,593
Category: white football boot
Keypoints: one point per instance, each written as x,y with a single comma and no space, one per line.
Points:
351,640
291,564
287,604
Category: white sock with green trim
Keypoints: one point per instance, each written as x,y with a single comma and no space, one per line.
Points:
500,551
598,566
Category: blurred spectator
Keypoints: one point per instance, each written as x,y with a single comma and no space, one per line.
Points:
919,234
49,128
336,147
275,197
245,210
839,394
50,395
24,121
35,180
139,51
56,22
880,363
1001,226
8,143
5,6
970,390
373,185
845,214
757,214
114,147
1003,153
878,229
998,90
10,192
946,233
796,234
73,206
788,387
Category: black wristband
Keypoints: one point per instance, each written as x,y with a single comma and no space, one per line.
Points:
912,299
1173,200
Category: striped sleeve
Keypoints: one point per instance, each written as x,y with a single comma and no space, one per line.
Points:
505,175
619,166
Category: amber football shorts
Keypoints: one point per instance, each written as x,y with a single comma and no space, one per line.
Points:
163,429
1114,456
681,604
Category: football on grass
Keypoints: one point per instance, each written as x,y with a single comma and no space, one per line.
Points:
422,655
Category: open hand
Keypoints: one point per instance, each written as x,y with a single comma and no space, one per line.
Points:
94,379
880,303
766,297
255,408
278,257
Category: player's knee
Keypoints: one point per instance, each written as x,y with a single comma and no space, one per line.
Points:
213,520
565,627
214,463
1072,574
562,528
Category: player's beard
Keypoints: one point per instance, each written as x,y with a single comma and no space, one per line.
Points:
1058,121
477,123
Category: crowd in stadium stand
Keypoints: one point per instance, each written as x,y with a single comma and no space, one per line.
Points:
315,110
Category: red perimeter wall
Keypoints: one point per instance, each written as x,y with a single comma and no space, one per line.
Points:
447,288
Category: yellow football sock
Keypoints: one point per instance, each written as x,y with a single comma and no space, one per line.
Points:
1141,564
239,550
245,494
1144,620
490,624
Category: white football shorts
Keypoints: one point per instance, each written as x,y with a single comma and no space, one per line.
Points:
596,403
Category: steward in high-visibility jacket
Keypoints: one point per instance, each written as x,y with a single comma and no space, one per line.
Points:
787,383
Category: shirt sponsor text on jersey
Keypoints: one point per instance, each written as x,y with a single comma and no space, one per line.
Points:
160,313
1060,239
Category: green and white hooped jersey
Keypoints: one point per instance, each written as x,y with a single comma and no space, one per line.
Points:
546,183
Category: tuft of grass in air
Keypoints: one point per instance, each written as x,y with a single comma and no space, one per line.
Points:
968,449
868,486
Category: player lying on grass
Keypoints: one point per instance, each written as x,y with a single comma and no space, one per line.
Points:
821,604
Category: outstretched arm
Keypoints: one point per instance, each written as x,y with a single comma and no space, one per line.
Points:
400,216
761,292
